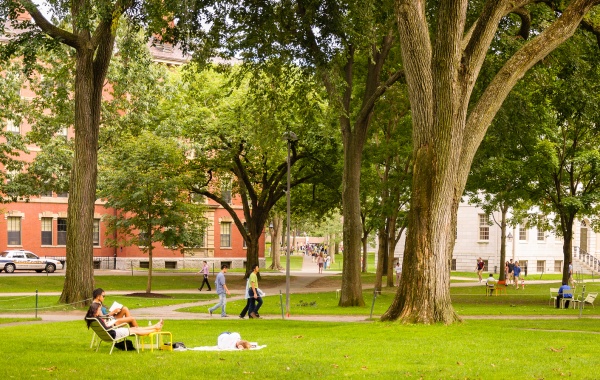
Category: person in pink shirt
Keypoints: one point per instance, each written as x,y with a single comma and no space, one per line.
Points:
205,271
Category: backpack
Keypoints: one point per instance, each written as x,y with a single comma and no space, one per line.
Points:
125,344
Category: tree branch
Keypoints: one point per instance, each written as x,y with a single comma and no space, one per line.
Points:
50,29
370,103
488,104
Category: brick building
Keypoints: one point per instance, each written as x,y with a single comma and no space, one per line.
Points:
39,224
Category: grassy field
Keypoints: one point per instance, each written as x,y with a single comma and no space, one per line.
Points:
520,349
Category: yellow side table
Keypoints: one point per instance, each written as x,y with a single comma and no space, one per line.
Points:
162,340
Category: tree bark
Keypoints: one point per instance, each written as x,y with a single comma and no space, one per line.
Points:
150,267
352,226
382,251
504,211
567,227
275,247
79,276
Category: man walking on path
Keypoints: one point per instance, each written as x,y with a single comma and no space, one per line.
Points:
253,292
204,272
222,291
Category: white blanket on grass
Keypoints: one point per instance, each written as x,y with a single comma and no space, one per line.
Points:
216,348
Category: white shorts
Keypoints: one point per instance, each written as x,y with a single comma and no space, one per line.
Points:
121,332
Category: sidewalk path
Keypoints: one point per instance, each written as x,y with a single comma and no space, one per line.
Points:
300,284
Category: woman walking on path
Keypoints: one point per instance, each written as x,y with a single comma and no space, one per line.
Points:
320,261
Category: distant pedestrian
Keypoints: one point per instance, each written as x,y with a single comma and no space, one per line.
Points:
247,298
327,262
204,271
479,267
571,280
320,262
398,270
516,274
222,291
511,268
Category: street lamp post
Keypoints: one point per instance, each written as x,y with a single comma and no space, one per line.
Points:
290,137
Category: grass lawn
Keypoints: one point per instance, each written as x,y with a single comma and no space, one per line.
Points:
534,300
301,350
136,283
26,304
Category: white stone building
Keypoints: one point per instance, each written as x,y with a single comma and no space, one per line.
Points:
538,251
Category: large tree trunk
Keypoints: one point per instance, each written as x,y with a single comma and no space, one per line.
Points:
275,247
79,277
567,227
351,281
150,267
504,211
441,72
424,291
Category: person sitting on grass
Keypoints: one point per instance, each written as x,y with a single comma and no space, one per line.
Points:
232,340
95,312
564,292
117,316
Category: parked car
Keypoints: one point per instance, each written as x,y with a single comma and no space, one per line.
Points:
19,259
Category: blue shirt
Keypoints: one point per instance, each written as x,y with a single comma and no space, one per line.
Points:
219,282
517,271
565,290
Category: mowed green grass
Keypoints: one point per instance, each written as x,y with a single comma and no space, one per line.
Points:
521,349
137,283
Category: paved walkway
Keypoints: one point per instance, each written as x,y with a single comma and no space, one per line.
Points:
300,284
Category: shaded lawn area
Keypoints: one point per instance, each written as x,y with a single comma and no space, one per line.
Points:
137,283
301,350
534,300
27,304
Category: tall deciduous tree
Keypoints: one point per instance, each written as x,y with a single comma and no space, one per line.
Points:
146,179
89,29
237,134
444,45
563,158
346,44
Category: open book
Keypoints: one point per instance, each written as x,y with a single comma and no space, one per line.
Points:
115,306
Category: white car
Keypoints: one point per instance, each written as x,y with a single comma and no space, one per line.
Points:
24,260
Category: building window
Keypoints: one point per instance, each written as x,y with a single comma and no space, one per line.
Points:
14,230
453,265
541,264
244,240
96,236
62,195
46,231
226,235
484,227
13,127
558,266
522,233
47,194
226,191
541,235
143,239
61,231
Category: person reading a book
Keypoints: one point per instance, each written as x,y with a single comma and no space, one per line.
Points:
95,311
117,313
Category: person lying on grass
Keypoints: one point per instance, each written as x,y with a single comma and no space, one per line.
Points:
115,317
229,340
95,311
